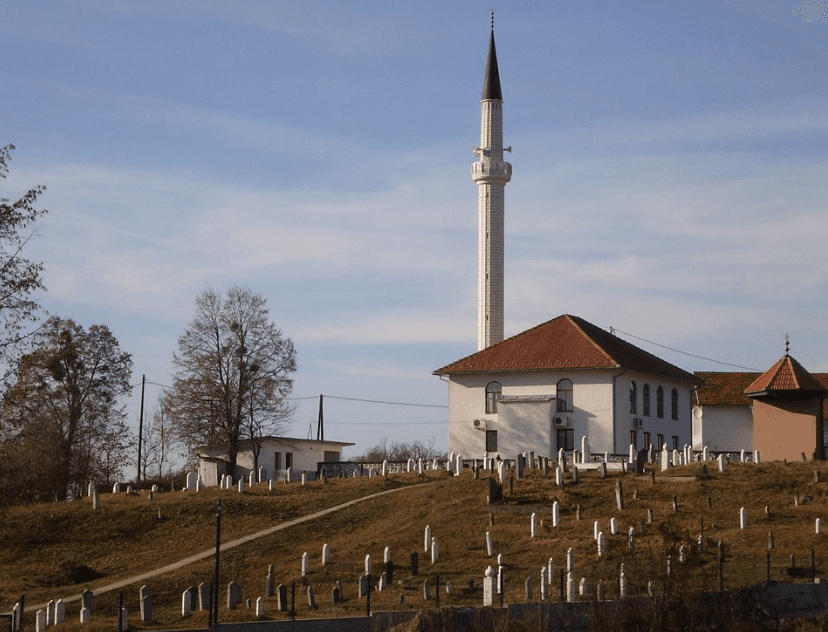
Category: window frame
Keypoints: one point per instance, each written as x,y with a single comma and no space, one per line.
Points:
568,435
660,402
633,398
491,441
494,391
565,404
674,404
645,400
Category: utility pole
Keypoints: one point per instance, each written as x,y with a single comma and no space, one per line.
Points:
141,426
320,424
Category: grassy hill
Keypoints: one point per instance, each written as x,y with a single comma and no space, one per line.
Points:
53,551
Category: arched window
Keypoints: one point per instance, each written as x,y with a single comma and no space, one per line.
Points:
645,396
674,404
633,398
564,396
660,403
493,391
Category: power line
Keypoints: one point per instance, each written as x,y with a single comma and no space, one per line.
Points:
376,401
381,423
692,355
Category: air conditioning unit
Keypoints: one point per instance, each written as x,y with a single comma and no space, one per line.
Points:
638,422
561,422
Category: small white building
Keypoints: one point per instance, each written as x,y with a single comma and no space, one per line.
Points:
551,386
722,415
276,457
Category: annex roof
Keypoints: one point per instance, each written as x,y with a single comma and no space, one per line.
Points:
724,387
565,342
245,444
787,376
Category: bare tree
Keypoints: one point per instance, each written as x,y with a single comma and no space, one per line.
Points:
19,278
400,451
159,443
233,373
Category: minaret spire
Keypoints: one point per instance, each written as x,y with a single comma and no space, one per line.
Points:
491,173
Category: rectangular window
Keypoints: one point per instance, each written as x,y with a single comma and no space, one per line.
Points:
660,441
566,438
277,461
647,443
491,441
674,404
645,400
675,443
288,460
660,403
634,439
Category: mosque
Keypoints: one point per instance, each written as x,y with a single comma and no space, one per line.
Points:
567,383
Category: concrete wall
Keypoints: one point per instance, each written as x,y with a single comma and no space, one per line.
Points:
787,428
591,414
666,426
724,428
306,455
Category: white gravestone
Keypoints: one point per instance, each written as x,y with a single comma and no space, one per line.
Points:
489,587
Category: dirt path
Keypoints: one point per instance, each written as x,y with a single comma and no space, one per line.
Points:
224,547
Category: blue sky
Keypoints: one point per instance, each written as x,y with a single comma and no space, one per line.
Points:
669,179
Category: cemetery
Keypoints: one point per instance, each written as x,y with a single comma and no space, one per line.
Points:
540,541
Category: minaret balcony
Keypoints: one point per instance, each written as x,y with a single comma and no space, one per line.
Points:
491,171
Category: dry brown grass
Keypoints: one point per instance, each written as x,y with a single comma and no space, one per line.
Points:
42,543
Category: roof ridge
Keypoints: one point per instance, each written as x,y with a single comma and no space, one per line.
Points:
574,321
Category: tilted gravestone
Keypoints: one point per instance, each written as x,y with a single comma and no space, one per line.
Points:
234,595
87,601
145,603
204,596
281,598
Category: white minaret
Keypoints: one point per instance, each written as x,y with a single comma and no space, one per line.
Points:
491,174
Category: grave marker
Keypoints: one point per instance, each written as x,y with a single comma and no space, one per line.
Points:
186,603
145,603
269,582
87,601
234,595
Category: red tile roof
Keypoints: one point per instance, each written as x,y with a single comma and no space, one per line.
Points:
787,375
566,342
724,387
